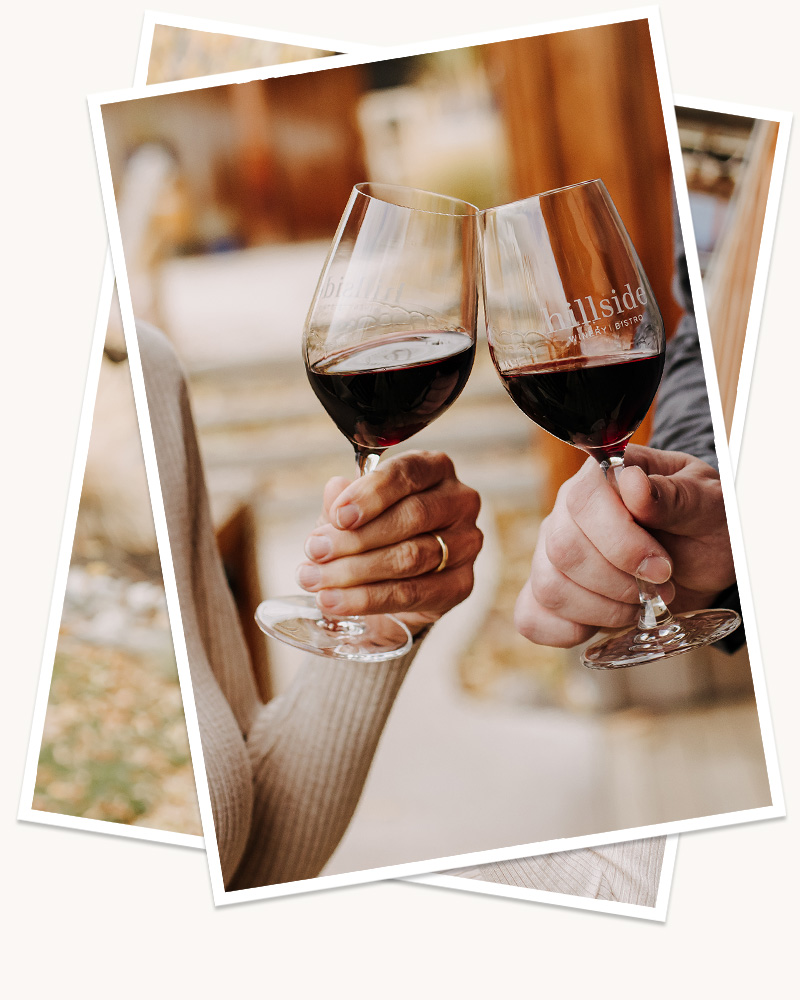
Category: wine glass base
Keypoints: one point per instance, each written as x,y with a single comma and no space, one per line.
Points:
298,621
630,646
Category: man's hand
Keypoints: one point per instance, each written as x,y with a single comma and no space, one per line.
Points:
669,528
375,551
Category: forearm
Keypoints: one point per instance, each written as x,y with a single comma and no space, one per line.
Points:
311,750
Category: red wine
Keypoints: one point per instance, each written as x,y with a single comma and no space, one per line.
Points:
381,392
595,403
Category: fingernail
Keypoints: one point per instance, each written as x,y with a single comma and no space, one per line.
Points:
667,592
328,600
650,484
318,547
347,516
308,576
654,569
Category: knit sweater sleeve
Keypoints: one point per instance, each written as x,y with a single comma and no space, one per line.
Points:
284,778
623,873
310,752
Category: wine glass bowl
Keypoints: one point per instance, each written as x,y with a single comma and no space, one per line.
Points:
577,338
388,346
390,335
572,324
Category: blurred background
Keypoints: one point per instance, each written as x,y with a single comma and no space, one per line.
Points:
114,745
183,53
228,198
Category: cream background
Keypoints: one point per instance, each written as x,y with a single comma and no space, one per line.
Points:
111,916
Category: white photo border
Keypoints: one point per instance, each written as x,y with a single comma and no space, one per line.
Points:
221,897
522,850
656,912
783,119
26,812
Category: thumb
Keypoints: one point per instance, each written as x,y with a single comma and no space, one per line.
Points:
662,503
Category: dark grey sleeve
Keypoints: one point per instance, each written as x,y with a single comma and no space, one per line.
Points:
682,420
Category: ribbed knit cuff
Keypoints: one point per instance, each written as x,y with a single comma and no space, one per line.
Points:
310,751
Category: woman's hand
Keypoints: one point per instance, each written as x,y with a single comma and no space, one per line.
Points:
375,551
669,528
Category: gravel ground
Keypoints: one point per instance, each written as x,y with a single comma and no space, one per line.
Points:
114,745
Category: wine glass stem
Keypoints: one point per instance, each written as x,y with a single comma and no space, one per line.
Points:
654,612
366,460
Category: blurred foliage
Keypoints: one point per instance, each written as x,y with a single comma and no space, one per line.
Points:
115,746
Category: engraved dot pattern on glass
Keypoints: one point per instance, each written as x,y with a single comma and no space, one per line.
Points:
577,338
388,346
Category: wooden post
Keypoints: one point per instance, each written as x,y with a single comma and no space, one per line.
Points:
731,273
585,104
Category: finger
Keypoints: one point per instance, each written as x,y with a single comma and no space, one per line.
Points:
610,527
333,489
433,592
655,461
687,503
434,509
399,477
567,549
411,557
555,592
544,627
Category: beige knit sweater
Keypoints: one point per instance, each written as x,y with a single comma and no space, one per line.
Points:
623,873
285,778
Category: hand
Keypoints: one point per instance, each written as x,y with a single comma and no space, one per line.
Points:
375,552
669,527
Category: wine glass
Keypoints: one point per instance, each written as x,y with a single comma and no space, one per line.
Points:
577,339
389,343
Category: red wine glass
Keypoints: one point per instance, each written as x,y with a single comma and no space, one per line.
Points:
388,346
577,338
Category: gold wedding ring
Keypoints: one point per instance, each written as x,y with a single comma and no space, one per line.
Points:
445,552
